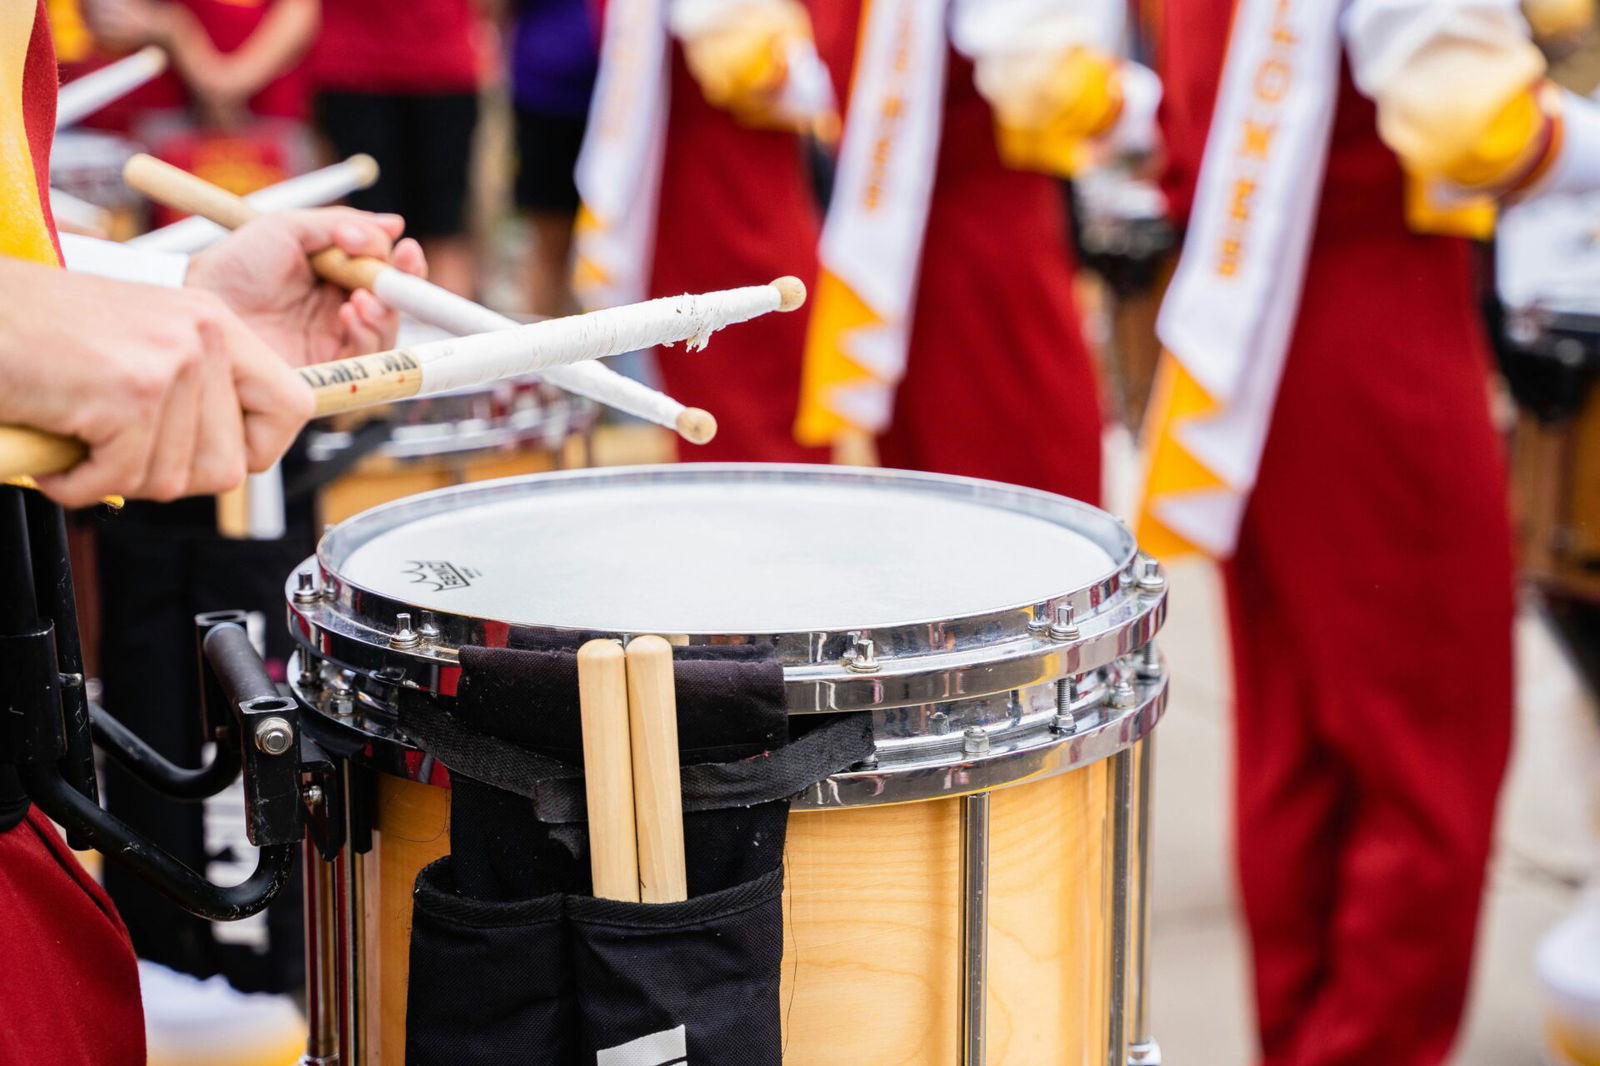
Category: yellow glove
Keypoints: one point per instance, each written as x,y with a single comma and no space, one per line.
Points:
740,57
1048,109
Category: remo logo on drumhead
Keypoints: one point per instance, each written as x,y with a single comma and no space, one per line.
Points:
440,574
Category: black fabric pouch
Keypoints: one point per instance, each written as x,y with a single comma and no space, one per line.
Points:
648,983
490,980
659,982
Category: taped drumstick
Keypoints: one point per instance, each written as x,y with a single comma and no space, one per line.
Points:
306,190
608,770
83,96
427,302
466,362
657,791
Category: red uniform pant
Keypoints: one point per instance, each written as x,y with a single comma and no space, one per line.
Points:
999,382
69,987
736,209
1371,601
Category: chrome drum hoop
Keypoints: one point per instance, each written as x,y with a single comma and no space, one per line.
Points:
825,670
937,751
503,417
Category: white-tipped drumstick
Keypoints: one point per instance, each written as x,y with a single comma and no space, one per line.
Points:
307,190
79,216
657,787
83,96
429,303
608,770
463,362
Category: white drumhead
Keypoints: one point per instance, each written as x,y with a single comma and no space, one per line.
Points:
711,556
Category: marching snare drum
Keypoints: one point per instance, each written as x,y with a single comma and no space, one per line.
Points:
973,892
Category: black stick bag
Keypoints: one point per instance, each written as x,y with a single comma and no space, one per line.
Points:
616,983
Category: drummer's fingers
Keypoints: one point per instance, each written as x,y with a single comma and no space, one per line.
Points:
219,458
409,259
169,473
275,400
367,324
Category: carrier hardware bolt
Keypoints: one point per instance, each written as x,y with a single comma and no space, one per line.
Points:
306,591
404,636
1066,692
427,631
313,797
1040,622
1123,696
343,706
975,741
861,658
939,722
869,763
274,735
1065,627
1151,581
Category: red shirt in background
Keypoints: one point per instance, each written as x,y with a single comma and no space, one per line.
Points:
379,46
229,23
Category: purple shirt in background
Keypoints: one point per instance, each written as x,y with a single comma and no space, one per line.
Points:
554,54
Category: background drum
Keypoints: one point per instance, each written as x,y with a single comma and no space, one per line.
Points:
1548,269
511,427
972,892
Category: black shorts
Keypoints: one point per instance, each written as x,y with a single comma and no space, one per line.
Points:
423,145
547,154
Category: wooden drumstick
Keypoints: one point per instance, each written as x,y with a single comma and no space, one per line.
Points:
657,792
429,303
464,362
82,97
319,187
608,770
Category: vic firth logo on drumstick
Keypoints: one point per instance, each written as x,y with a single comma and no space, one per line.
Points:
441,574
359,369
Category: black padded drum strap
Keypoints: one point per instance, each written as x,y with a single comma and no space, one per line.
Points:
556,787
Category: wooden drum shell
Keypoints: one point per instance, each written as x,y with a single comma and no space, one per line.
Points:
872,925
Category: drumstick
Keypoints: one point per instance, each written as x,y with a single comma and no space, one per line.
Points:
464,362
82,97
657,794
429,303
306,190
608,770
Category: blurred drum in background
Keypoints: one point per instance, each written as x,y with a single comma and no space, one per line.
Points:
86,165
1548,279
512,427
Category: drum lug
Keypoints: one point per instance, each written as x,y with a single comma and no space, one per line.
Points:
1150,667
1065,722
1151,581
404,636
306,592
1123,696
1065,627
862,657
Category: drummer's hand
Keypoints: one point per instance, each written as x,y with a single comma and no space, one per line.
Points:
172,393
261,271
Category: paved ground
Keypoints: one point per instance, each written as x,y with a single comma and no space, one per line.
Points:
1547,848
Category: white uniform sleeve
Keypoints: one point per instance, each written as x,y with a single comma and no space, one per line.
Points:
1436,67
690,18
993,31
107,259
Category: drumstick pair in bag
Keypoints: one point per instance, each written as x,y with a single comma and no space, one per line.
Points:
630,753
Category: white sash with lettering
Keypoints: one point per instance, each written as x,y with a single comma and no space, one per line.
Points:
619,167
1230,311
871,243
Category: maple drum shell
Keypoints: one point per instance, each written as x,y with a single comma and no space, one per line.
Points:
872,925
